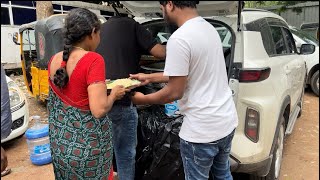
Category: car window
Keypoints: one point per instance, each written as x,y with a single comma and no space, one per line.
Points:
225,36
278,40
166,35
307,38
162,32
229,42
267,39
163,37
311,32
289,40
222,33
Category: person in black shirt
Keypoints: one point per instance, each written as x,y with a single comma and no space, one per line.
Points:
123,41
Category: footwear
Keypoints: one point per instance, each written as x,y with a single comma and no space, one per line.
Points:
5,172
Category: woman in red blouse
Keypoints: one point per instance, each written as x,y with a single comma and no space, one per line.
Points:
80,131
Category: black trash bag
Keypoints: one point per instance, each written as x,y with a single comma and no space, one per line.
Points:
149,126
167,162
158,150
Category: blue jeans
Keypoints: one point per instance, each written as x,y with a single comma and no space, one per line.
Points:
199,158
124,130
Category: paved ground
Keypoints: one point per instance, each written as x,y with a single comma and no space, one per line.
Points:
301,152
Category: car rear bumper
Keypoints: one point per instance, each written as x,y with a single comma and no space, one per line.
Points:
260,168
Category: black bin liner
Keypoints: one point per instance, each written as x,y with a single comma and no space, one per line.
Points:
158,150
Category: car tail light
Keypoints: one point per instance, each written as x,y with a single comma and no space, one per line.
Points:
252,124
254,75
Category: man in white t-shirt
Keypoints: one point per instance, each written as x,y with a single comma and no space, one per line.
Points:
196,75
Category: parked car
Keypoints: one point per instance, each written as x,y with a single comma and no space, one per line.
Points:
19,110
312,60
311,28
266,75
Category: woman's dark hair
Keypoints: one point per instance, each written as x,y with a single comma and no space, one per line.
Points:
78,24
182,4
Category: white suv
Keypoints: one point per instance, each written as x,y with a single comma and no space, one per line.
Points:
266,76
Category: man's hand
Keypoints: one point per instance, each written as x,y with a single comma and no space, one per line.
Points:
150,78
143,78
174,90
4,160
138,98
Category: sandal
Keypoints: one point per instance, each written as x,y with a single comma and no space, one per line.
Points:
5,172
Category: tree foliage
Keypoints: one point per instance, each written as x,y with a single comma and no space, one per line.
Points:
282,5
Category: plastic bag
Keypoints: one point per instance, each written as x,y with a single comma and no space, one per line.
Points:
158,149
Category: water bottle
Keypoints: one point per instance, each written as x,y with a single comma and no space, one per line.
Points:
39,143
172,109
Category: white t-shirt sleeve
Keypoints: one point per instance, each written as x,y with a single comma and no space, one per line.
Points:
177,58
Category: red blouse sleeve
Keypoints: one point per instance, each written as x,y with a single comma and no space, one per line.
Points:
96,71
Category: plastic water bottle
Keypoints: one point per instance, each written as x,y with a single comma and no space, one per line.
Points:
39,143
171,109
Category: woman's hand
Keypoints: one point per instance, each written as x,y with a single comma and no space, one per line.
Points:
118,92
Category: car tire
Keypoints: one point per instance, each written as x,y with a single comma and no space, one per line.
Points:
274,173
315,83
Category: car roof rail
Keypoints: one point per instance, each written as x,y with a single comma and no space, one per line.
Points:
254,9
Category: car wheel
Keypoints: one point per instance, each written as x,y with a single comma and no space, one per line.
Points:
315,83
274,172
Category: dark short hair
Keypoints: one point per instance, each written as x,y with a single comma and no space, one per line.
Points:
182,4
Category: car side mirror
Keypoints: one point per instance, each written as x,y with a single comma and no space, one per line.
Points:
15,38
307,49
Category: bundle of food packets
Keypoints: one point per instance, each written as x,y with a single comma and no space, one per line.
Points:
125,82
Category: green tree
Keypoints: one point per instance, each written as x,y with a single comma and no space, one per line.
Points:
282,5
